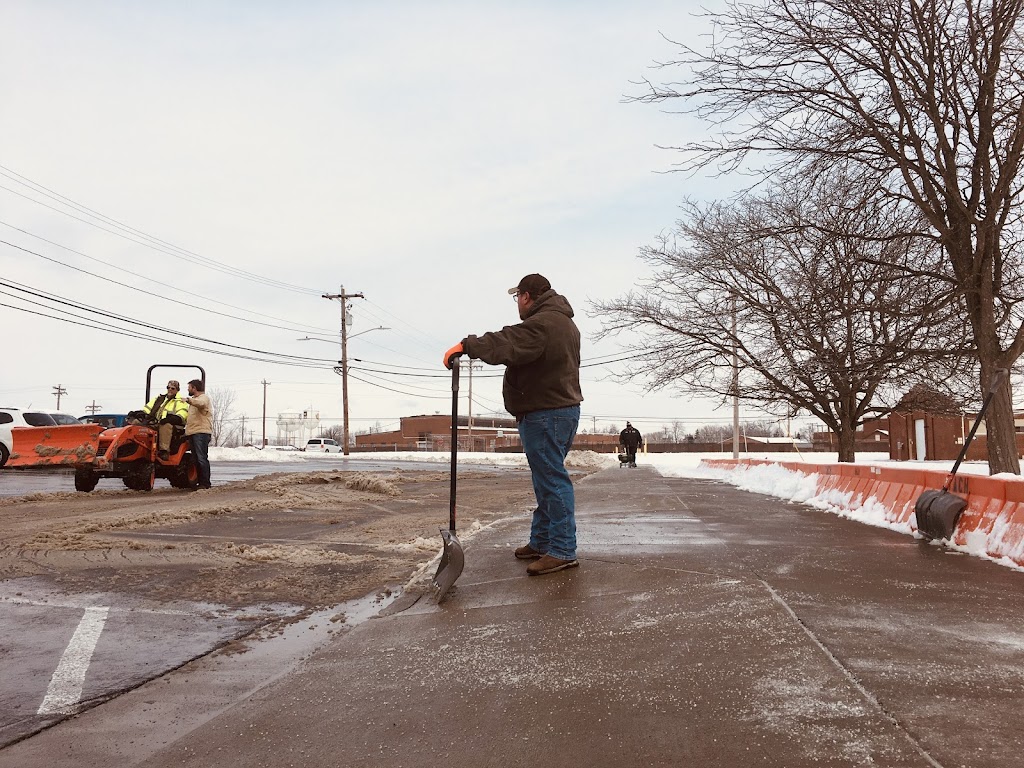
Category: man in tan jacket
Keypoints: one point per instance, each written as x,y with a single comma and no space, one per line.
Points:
199,428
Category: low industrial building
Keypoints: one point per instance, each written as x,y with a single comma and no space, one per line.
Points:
486,434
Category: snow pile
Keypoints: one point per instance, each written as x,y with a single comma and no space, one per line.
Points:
797,487
590,460
575,459
783,483
251,453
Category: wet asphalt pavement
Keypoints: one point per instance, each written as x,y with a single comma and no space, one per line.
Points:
705,627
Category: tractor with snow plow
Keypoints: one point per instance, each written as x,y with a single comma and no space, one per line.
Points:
129,452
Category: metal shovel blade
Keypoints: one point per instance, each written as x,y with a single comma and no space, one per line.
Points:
937,513
450,568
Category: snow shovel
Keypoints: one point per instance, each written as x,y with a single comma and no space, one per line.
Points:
452,557
937,511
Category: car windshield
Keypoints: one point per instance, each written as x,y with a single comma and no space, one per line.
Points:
38,419
63,418
104,421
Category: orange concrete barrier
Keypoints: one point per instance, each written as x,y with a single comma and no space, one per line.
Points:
993,521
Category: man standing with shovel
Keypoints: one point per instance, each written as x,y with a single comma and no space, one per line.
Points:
542,390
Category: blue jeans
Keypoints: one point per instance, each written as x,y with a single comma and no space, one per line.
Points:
201,453
547,437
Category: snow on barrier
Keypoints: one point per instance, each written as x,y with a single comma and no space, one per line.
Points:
992,525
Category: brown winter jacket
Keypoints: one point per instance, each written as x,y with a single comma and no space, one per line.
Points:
542,355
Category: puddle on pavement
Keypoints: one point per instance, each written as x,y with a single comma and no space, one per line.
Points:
297,639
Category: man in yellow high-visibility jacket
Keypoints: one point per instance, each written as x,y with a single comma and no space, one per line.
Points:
168,410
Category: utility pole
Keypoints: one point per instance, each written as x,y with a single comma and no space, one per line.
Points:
265,385
93,408
343,298
469,429
58,391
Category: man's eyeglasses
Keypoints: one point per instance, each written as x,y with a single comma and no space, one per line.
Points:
516,295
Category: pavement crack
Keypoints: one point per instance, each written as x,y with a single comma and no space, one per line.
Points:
864,692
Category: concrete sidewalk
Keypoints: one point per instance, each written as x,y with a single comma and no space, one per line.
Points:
705,627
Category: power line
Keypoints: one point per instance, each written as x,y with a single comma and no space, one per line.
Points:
131,233
131,321
140,290
399,391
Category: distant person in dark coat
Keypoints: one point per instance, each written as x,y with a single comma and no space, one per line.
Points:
631,439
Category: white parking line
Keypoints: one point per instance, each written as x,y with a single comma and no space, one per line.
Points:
65,687
81,604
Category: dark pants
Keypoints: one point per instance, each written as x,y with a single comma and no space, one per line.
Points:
631,453
201,453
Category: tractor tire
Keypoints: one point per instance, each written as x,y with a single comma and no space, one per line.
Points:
186,475
85,480
141,477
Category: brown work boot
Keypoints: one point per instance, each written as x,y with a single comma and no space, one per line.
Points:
526,552
549,564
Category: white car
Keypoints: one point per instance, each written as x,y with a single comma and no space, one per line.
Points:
60,418
322,445
15,417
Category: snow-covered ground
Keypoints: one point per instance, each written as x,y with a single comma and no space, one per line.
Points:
671,464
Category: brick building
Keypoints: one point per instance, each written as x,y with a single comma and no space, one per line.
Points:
923,436
873,436
929,426
489,434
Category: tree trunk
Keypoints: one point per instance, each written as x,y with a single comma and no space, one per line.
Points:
847,444
1000,433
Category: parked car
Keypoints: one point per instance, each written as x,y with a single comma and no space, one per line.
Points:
322,445
15,417
105,420
60,417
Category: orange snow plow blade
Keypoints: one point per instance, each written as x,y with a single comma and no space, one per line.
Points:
66,445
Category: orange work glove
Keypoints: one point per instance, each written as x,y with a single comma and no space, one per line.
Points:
451,354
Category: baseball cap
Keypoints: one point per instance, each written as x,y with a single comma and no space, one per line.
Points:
533,284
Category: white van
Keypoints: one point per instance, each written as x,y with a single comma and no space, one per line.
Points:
322,445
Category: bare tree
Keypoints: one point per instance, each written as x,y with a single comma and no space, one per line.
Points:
807,294
223,402
924,94
716,433
336,432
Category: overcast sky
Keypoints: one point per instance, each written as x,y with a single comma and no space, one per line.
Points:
211,169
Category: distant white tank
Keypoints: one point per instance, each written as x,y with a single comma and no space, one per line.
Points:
296,427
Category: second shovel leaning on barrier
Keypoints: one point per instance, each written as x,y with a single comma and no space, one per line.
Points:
937,511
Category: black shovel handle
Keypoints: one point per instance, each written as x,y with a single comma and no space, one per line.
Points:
994,384
455,440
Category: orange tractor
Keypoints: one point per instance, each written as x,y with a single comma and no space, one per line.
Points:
128,452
